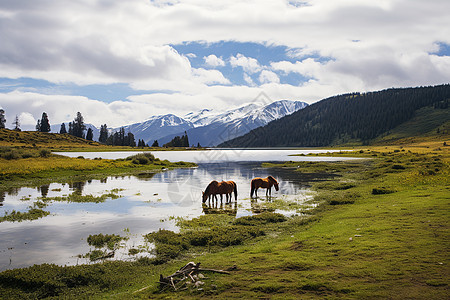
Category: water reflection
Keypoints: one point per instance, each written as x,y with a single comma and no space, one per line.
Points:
214,207
44,190
147,202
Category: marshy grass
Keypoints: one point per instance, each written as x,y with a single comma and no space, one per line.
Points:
382,246
44,165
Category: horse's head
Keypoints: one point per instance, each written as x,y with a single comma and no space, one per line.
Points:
274,182
204,197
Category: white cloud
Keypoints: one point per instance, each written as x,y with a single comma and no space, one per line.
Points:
214,61
210,76
267,76
27,119
249,64
249,80
59,108
357,45
308,67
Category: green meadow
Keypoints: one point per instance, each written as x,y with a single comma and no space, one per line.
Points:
379,230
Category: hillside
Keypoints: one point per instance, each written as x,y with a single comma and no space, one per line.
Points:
356,119
427,124
42,139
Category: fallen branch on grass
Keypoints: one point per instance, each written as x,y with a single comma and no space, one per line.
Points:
190,271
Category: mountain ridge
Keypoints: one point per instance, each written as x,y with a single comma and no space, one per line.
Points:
208,127
222,126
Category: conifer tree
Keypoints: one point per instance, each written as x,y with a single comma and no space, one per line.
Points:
130,141
155,144
185,140
2,118
78,126
70,128
103,134
89,134
16,124
63,128
44,124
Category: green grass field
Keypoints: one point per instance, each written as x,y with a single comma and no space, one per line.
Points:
381,231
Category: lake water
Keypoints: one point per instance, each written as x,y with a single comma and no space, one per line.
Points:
146,203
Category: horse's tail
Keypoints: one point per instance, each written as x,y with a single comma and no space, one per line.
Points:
235,191
253,188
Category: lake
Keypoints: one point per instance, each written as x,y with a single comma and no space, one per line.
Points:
144,202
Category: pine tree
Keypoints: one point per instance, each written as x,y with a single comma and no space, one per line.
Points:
130,140
63,128
70,128
16,124
103,134
185,140
45,124
38,125
89,134
155,144
2,118
78,126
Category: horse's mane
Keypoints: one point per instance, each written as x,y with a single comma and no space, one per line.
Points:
214,182
272,179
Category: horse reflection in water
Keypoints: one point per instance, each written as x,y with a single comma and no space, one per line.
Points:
261,206
220,188
215,208
265,183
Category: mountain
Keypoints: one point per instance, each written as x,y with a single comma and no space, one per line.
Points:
356,118
211,128
157,127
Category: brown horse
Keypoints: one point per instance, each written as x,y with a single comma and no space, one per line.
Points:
225,187
265,183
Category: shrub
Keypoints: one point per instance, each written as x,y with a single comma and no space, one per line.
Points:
142,158
398,167
44,153
13,154
340,202
168,237
381,191
263,218
101,240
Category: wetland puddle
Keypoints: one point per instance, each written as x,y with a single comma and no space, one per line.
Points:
137,205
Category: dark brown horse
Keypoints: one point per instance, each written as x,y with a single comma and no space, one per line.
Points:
265,183
219,188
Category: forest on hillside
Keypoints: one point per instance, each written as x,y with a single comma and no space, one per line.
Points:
350,117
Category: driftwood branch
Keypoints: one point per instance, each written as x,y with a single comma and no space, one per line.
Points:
190,271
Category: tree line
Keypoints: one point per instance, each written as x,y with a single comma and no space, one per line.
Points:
178,141
345,118
78,128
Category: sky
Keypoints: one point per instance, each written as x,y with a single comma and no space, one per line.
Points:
121,62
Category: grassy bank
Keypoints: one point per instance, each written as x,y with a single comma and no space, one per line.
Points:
19,167
381,231
65,142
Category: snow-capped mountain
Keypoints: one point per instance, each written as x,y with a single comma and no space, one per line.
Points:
157,127
206,127
212,128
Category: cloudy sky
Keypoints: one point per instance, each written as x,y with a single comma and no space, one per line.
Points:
120,62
